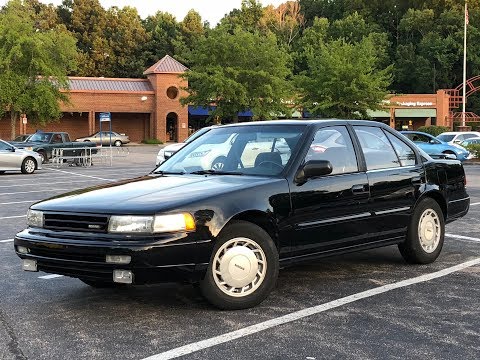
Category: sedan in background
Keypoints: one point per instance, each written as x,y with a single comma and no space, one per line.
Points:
103,138
457,137
13,159
435,147
171,149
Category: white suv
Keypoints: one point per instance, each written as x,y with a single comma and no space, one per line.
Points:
457,137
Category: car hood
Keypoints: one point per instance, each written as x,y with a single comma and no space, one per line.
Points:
174,147
27,144
149,194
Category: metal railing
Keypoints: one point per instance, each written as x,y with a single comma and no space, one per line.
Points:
106,154
79,156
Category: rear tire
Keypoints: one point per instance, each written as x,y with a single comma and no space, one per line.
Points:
28,165
425,234
117,143
243,268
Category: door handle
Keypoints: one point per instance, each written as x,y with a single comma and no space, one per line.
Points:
360,188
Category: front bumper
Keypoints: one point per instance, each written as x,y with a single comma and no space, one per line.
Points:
153,260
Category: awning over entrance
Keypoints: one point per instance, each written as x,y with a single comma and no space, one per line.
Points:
200,111
416,113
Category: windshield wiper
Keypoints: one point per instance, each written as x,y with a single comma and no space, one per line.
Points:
215,172
161,172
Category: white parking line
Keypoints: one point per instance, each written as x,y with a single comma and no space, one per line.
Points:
6,241
478,203
76,174
461,237
13,217
217,340
19,202
49,183
48,277
32,191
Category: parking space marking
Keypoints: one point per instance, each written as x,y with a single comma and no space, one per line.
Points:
461,237
6,241
48,277
48,184
19,202
33,191
13,217
478,203
76,174
204,344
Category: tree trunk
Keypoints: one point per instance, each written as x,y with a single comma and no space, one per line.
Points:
13,123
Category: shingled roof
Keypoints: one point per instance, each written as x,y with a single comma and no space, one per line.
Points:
166,65
109,84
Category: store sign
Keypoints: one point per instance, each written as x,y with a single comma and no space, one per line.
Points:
416,103
105,117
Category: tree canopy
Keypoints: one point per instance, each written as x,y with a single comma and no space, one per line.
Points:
33,65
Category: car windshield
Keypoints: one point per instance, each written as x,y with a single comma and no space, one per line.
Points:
241,150
445,137
40,137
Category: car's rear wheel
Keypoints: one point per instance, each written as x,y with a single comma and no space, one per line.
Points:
101,284
243,268
425,234
28,166
118,143
219,163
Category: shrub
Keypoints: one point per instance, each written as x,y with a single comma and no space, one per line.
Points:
152,141
474,150
433,130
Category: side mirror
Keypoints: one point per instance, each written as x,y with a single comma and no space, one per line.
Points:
314,168
432,141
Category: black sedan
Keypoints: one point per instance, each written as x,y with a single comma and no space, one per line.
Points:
289,191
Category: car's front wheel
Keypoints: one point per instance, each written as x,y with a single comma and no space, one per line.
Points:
425,234
28,166
243,269
118,143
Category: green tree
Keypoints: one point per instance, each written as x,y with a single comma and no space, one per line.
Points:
191,30
162,30
343,79
239,70
33,66
248,17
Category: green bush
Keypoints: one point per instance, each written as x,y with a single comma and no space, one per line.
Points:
474,150
433,130
152,141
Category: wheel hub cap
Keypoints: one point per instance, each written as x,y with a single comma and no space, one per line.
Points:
239,266
429,230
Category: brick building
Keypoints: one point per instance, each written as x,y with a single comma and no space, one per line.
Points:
150,108
141,108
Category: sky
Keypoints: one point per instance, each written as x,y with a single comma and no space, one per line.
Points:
210,10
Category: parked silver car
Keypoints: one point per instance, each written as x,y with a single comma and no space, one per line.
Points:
13,159
103,138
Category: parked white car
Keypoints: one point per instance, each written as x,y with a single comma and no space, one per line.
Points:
171,149
457,137
14,159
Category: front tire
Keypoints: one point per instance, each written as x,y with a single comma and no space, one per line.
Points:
425,234
243,269
118,143
28,166
43,156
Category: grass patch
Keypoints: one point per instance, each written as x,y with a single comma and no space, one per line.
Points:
152,142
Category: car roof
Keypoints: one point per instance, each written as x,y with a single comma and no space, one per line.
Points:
415,132
311,122
459,132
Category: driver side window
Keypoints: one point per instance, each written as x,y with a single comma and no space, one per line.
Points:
334,145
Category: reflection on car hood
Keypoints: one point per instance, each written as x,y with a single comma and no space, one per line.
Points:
149,194
173,147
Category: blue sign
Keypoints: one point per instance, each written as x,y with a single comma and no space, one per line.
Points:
105,117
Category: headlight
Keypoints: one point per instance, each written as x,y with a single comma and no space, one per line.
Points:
29,148
151,224
199,154
130,224
35,218
176,222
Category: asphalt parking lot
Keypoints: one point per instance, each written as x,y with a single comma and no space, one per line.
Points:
368,305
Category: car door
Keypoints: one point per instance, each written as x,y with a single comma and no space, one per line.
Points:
9,160
330,212
394,177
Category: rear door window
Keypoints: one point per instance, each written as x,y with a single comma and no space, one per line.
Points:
377,150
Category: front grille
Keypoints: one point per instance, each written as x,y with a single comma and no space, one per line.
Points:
76,222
